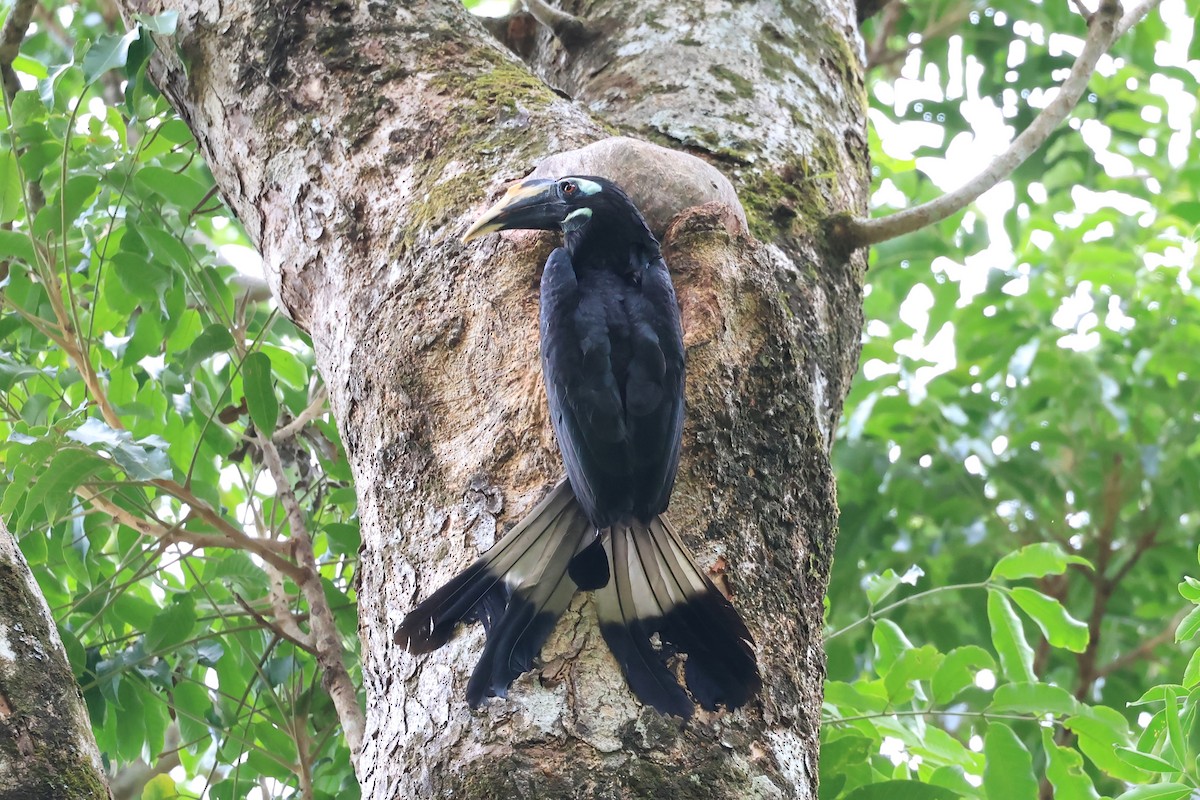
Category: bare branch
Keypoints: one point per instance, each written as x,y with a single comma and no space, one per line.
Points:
315,409
130,780
1145,649
568,29
228,536
13,32
880,56
1104,27
278,629
325,639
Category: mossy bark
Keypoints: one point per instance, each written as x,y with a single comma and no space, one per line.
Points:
355,142
47,751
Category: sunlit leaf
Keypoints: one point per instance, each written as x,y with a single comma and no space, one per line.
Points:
260,392
108,52
1058,626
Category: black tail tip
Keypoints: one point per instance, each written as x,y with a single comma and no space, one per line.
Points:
720,669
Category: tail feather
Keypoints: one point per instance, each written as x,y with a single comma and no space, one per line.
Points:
533,609
659,589
627,615
652,601
518,590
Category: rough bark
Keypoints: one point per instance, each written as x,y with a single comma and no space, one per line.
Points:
355,142
47,751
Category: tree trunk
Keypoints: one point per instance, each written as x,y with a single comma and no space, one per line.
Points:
47,751
355,141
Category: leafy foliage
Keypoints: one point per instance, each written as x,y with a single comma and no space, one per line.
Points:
138,387
1020,441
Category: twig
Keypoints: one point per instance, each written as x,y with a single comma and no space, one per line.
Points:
326,639
881,56
228,536
1145,649
315,409
887,26
277,629
278,597
1104,27
130,780
875,613
568,29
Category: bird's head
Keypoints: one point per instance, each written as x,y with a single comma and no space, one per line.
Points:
574,204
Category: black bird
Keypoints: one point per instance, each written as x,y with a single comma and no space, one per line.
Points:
613,362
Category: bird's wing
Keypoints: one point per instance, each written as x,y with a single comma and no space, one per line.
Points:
582,388
654,391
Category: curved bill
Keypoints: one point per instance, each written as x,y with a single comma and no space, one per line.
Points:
531,204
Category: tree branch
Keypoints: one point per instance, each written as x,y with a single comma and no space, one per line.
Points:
1104,27
1145,649
326,641
287,633
880,55
131,779
11,36
315,409
568,29
228,536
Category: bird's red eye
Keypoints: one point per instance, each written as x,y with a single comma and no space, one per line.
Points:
568,188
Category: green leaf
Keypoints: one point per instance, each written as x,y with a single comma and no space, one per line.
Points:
1101,730
75,652
162,23
16,244
1008,637
160,787
1158,791
958,671
1175,737
30,66
136,612
881,585
917,664
179,190
131,725
1033,698
238,569
173,625
1189,627
1036,561
286,366
260,394
213,339
1059,627
56,485
1065,771
108,52
12,203
344,538
902,790
1191,674
143,460
194,706
1146,761
1008,768
48,86
889,642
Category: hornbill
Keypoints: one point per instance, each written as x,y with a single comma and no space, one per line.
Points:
613,363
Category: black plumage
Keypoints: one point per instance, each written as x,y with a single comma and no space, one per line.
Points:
613,362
